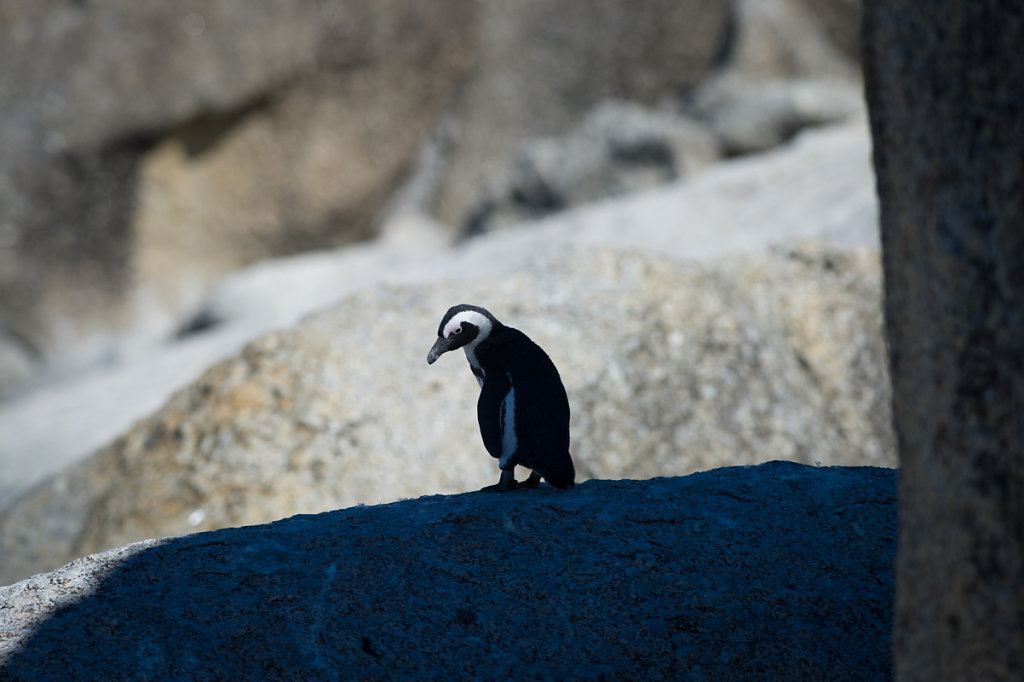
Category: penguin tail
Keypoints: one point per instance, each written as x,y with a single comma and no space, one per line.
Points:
561,473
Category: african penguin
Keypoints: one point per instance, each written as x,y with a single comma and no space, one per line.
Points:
523,409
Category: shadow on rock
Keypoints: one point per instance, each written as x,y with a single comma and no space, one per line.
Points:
779,571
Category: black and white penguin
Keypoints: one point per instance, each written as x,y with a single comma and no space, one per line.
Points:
523,409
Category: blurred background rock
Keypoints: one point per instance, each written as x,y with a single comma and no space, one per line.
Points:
630,183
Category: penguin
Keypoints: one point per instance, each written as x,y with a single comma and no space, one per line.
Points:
523,409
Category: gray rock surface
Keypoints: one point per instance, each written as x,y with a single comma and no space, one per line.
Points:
789,68
841,21
733,207
533,84
780,572
544,64
670,368
618,149
621,148
147,149
747,114
778,39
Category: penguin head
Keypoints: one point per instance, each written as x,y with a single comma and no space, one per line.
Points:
462,326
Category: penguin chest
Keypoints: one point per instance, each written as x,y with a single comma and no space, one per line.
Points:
507,424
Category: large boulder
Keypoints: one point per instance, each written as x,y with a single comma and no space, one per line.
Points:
619,148
544,64
779,572
945,89
733,207
546,67
670,368
622,148
147,149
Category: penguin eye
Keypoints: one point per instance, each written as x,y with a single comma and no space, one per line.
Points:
457,330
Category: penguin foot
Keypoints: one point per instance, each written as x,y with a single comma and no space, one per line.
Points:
506,483
532,482
500,487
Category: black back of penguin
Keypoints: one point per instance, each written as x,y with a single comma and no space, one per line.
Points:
541,404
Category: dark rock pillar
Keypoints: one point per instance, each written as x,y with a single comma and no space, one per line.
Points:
945,88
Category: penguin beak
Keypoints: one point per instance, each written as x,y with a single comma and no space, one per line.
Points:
440,347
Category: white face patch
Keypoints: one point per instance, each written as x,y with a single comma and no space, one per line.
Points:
473,317
507,422
483,323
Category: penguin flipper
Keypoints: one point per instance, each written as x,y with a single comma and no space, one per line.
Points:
488,412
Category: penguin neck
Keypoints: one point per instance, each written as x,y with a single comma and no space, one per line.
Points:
471,353
474,364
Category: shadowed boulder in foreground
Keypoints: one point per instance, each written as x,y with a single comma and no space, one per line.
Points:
780,571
